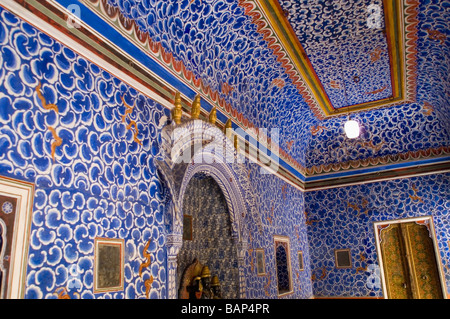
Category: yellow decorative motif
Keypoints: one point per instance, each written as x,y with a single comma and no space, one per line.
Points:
129,110
213,116
324,273
361,209
271,217
362,258
278,83
252,263
148,282
46,106
195,110
437,35
133,123
227,89
335,84
371,145
377,91
228,131
57,141
177,110
284,191
266,287
62,293
427,108
310,221
322,276
375,55
317,129
415,197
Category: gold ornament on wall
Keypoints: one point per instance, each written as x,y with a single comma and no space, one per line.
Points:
228,129
195,110
129,111
177,110
49,106
148,282
213,116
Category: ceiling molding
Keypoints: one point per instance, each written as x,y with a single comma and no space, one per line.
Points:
50,16
401,34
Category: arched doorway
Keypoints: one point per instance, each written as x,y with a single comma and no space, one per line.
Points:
177,165
207,234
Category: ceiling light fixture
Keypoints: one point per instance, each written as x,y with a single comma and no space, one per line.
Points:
351,128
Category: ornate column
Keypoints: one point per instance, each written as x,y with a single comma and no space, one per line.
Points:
241,249
174,243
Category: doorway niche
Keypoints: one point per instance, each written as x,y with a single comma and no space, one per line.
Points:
207,234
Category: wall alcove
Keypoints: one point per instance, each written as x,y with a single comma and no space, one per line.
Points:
207,234
194,148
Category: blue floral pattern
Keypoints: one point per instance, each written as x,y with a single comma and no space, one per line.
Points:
98,182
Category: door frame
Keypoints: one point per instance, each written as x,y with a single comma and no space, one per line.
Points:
23,192
379,226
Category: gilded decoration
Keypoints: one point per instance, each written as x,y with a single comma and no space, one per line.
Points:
145,264
177,110
213,116
411,269
196,108
197,283
128,111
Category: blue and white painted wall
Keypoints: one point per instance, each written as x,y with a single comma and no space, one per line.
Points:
67,126
343,218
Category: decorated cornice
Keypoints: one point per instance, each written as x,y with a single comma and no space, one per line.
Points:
87,41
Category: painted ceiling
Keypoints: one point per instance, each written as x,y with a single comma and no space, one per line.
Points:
273,61
304,66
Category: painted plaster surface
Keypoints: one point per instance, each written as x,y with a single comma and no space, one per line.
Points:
88,142
342,218
219,41
92,178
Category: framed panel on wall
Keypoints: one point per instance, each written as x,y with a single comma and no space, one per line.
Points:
16,208
300,261
283,265
108,265
187,227
260,262
343,258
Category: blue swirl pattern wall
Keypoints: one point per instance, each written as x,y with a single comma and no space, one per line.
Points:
400,129
88,141
97,181
342,218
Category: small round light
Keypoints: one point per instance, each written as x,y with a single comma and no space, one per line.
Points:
351,128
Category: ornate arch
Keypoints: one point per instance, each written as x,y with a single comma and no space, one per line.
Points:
188,148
